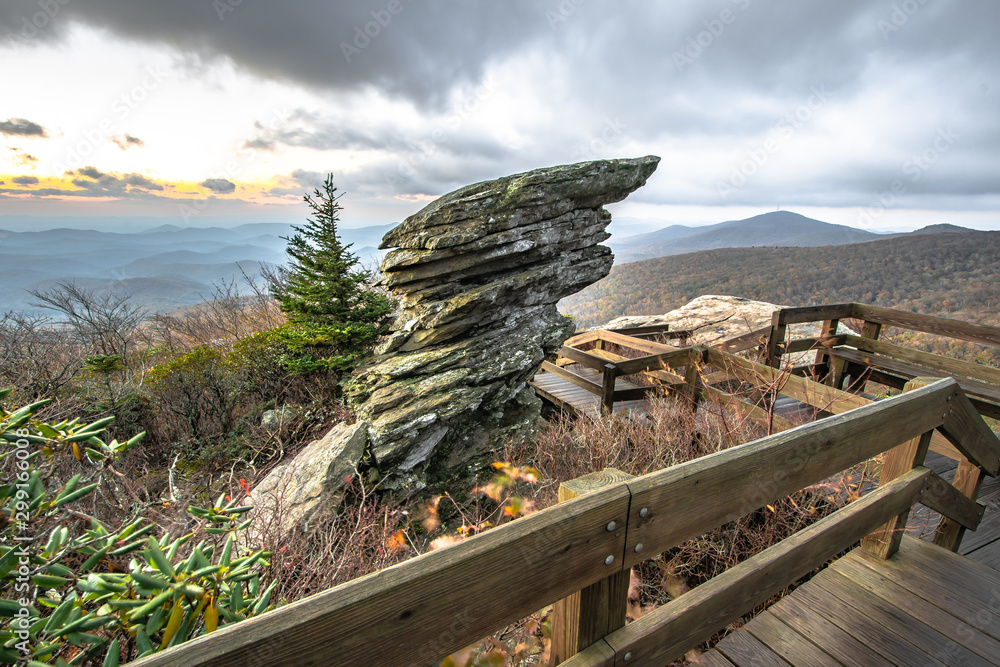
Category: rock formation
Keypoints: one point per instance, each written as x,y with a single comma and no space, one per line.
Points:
478,273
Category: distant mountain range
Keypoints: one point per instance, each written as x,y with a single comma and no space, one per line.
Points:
164,268
774,229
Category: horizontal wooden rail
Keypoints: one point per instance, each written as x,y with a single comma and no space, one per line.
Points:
647,346
585,358
819,396
666,633
941,326
426,608
947,365
675,358
747,341
578,380
801,315
692,498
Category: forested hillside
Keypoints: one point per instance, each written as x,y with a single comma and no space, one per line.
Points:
954,275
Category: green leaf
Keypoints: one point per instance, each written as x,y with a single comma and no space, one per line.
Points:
64,498
113,655
157,557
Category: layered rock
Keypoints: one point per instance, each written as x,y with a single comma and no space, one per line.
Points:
478,273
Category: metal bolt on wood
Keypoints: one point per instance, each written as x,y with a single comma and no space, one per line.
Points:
627,656
638,547
609,560
644,512
611,526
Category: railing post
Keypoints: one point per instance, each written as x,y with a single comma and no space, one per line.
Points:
599,609
897,462
860,373
608,389
776,339
968,480
822,364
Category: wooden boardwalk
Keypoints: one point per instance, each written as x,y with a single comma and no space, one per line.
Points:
564,394
924,606
982,545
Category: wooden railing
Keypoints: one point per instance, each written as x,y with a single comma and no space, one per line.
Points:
657,360
424,609
864,357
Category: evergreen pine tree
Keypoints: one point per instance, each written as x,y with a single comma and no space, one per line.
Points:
334,316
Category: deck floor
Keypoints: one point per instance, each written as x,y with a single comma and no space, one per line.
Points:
564,394
983,544
924,606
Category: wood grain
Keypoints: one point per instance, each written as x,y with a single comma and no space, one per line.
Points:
432,605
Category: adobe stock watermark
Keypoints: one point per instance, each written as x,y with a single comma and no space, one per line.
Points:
914,167
698,43
598,146
21,622
31,26
778,136
233,167
562,12
407,165
121,109
899,17
363,35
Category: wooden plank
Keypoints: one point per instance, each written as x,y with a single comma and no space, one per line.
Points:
742,648
634,343
775,339
585,616
802,314
771,421
808,344
786,642
910,370
692,498
879,585
667,632
952,503
428,607
818,395
608,388
976,333
673,359
947,365
713,659
875,635
581,338
824,397
572,377
645,330
965,428
747,341
870,608
829,636
581,357
957,584
885,540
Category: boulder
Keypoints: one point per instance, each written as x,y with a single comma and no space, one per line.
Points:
478,273
307,484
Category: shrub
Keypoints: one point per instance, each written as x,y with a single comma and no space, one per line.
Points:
76,590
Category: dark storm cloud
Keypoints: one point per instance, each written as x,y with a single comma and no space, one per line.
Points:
402,47
686,80
219,186
126,141
90,172
21,127
139,181
25,180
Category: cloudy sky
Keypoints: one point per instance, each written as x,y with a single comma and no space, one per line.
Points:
877,114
